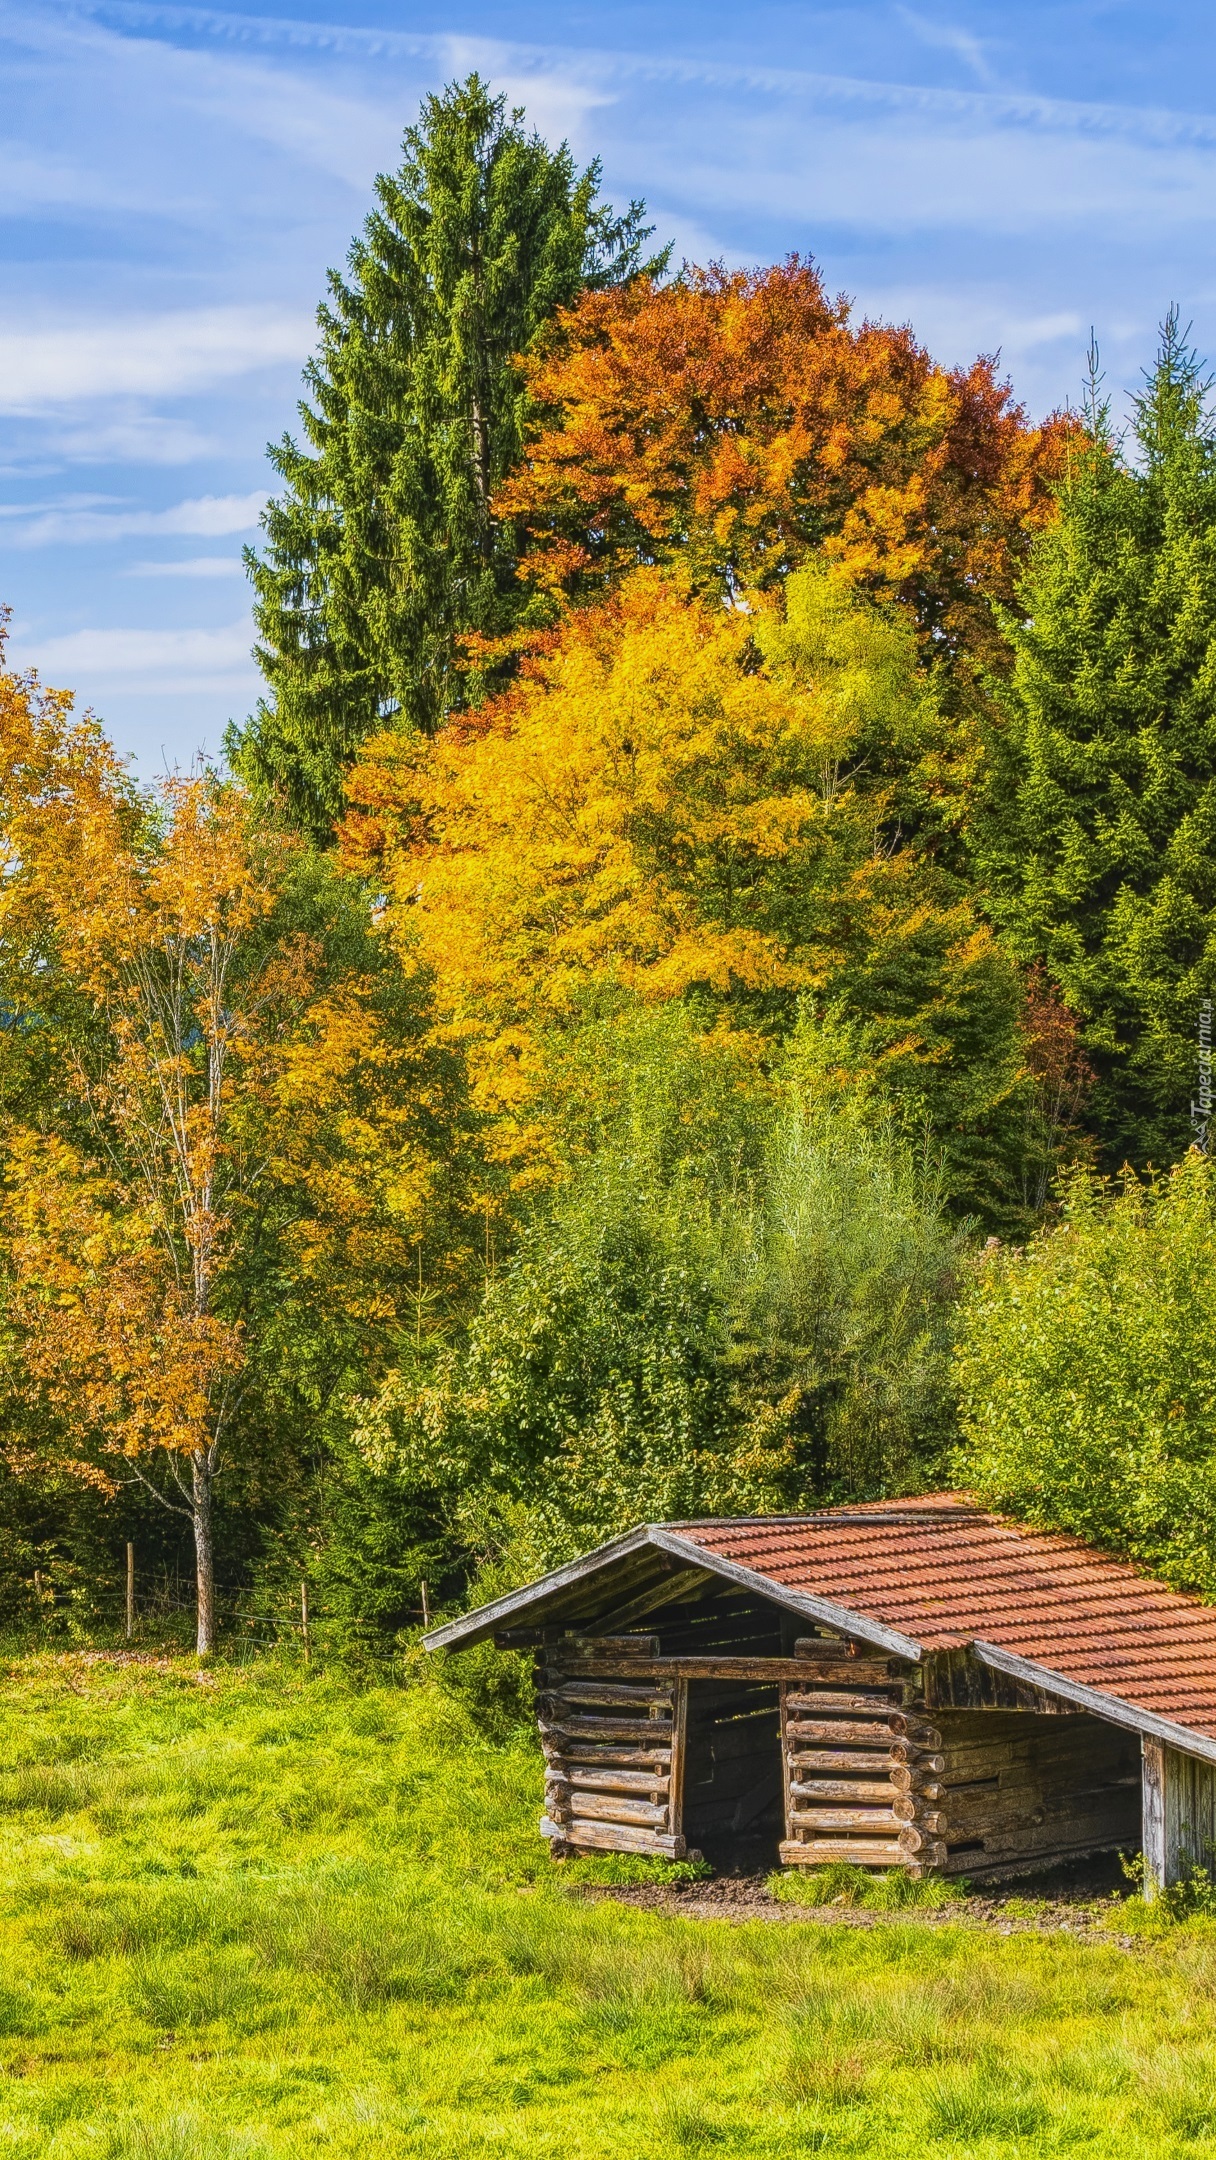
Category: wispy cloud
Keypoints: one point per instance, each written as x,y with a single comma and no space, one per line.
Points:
948,37
205,517
194,566
723,143
73,360
956,324
602,70
141,438
30,182
181,176
167,660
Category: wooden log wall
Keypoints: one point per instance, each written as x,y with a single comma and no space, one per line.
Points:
1021,1790
614,1762
655,1741
862,1771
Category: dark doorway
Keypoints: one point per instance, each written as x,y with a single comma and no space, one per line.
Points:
733,1803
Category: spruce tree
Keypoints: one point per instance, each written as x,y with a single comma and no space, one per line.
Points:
383,548
1099,842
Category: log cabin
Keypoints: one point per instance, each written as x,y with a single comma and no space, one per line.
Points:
917,1684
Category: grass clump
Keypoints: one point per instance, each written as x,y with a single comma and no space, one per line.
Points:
626,1870
273,1916
983,2101
844,1884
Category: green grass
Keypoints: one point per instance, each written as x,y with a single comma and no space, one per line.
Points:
841,1884
255,1913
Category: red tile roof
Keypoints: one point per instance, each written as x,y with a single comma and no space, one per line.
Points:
946,1573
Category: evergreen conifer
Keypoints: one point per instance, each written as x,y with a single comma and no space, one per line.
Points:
383,547
1099,839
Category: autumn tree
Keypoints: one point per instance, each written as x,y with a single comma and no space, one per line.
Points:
684,802
739,422
158,916
244,1159
384,545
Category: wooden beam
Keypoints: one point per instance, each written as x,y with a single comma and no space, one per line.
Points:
637,1730
616,1808
613,1837
679,1756
600,1650
824,1791
863,1852
884,1726
577,1754
817,1701
857,1672
799,1601
853,1819
911,1763
619,1618
651,1784
1111,1707
604,1694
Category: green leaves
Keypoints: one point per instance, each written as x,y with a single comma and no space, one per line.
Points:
1087,1369
734,1304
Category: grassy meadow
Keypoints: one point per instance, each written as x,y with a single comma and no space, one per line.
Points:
257,1911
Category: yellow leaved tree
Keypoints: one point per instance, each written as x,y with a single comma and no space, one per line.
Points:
684,801
207,1072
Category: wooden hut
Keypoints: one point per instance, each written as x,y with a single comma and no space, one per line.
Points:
916,1684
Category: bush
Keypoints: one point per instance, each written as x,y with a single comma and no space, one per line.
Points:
1086,1368
702,1319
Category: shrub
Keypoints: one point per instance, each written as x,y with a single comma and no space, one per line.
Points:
1086,1372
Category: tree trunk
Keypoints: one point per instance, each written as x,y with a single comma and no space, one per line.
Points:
203,1554
481,473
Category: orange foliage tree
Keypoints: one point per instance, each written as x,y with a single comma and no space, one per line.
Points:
209,1066
652,813
740,420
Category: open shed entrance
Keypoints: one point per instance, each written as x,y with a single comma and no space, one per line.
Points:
733,1792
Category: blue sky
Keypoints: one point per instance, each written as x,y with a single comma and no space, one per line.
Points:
174,182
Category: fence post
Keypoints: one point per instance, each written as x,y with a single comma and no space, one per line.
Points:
304,1618
130,1589
426,1608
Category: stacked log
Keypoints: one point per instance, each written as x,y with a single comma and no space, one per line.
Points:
613,1763
1022,1788
862,1773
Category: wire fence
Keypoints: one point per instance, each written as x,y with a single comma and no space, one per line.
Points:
243,1615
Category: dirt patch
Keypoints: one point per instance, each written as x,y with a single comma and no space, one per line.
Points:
1082,1902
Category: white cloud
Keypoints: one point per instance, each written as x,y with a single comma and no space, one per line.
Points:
947,37
72,360
194,566
347,138
204,517
956,325
558,90
32,182
139,439
165,661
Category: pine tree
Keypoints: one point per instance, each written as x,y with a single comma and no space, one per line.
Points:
383,547
1099,843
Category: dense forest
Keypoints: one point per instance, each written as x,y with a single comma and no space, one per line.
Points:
692,992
